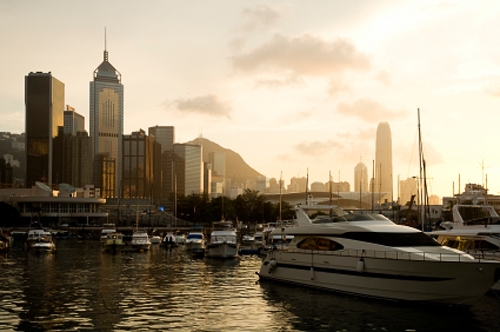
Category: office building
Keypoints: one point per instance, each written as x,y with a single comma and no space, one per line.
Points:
73,122
165,135
44,100
106,121
188,169
139,174
383,164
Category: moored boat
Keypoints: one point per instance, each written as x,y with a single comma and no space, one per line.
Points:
195,243
40,240
475,228
368,255
140,241
114,242
223,242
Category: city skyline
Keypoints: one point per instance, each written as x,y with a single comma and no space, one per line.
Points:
291,87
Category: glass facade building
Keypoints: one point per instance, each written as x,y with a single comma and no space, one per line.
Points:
44,100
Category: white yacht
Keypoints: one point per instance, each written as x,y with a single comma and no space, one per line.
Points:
140,241
40,240
195,243
223,242
369,255
475,229
155,239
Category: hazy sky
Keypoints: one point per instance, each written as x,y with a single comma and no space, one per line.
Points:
290,85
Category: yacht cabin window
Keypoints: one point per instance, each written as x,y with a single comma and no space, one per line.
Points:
318,243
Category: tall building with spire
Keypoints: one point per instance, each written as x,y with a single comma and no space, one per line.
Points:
106,123
383,163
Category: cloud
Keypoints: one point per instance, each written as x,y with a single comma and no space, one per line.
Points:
260,17
291,80
368,110
208,105
316,148
337,86
304,55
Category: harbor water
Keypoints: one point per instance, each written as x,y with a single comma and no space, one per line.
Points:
80,288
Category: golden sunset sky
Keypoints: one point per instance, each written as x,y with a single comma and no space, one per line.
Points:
290,85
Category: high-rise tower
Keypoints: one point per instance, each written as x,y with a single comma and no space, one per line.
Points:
360,178
44,99
106,122
383,163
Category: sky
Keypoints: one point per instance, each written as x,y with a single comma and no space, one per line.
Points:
297,88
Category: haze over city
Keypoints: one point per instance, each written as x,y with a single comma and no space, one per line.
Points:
292,86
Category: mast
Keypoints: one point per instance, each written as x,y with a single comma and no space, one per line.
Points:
423,176
281,176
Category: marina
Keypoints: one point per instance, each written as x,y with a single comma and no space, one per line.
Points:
81,288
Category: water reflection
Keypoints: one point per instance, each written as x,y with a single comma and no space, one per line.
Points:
81,288
314,310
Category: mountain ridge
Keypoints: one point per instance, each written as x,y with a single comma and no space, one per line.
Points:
237,170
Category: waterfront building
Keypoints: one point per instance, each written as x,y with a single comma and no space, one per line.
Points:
106,122
383,163
44,100
188,169
73,122
40,203
360,178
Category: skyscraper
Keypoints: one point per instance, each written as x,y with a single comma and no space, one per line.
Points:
44,99
383,163
164,135
106,120
188,168
73,122
139,152
360,178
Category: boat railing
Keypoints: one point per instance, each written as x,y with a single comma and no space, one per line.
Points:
397,255
492,255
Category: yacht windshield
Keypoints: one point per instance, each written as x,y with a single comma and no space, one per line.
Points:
195,236
416,239
360,217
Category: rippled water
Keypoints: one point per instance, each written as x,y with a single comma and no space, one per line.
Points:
80,288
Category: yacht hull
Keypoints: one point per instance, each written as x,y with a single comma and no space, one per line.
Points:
222,250
440,282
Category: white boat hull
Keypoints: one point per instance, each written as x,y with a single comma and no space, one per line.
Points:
222,250
450,282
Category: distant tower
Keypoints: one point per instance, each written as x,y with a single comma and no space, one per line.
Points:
44,99
383,163
106,121
360,178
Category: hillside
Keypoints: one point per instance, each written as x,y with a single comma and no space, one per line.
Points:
237,170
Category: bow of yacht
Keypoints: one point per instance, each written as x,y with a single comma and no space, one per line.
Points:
369,255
